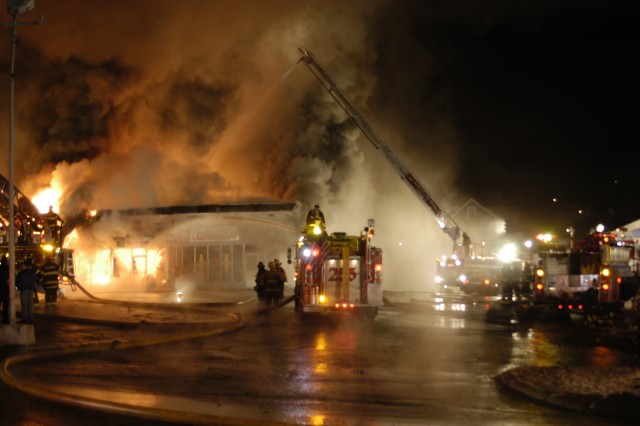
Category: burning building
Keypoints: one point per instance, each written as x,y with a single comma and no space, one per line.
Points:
204,247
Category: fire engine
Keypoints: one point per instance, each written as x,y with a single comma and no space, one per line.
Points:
338,272
600,273
33,238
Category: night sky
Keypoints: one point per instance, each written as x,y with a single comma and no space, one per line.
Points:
125,104
540,95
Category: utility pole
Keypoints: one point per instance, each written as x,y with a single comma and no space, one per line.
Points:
15,8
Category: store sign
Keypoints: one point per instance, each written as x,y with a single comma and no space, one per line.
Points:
214,235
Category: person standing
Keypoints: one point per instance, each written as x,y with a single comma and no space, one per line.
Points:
4,289
260,284
315,215
54,224
283,276
273,283
26,283
49,278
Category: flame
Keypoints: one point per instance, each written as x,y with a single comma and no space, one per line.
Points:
48,197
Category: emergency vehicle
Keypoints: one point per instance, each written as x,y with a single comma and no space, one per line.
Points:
484,276
33,239
338,272
473,275
600,272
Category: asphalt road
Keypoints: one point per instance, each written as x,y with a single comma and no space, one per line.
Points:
418,362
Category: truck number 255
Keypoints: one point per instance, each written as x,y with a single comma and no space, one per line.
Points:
335,274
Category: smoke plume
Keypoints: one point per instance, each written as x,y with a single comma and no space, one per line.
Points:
158,103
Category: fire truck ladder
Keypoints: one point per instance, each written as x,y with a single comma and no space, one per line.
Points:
22,205
445,222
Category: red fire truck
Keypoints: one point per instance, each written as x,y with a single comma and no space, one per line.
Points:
338,272
600,273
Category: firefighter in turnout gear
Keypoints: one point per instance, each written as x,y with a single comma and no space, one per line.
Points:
260,286
48,275
273,284
54,224
316,224
283,276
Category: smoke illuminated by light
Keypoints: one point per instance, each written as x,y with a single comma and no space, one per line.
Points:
47,197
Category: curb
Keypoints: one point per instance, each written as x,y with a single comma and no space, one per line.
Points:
622,406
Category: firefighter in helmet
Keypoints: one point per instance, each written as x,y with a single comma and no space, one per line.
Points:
54,224
48,276
315,219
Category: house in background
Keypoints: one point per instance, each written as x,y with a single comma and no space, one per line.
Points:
485,229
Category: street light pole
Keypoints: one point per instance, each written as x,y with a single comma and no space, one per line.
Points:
15,8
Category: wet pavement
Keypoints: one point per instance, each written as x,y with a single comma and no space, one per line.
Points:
602,391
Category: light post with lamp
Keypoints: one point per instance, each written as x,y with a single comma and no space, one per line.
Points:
15,8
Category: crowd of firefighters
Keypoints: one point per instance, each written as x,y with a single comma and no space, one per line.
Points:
32,272
270,283
30,276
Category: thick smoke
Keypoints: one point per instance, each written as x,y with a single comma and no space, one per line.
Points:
157,103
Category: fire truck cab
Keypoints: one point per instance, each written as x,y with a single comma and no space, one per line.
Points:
338,273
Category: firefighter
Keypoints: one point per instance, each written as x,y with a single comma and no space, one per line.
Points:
466,245
315,216
273,282
260,284
48,276
54,224
283,276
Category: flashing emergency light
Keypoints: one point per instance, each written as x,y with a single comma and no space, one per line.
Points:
540,272
306,251
48,248
462,278
487,282
315,252
439,279
322,298
316,230
539,287
605,272
605,286
378,267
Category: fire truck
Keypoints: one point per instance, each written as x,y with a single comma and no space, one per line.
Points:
471,276
33,239
338,272
598,275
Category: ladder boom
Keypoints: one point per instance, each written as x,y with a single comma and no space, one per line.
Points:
446,223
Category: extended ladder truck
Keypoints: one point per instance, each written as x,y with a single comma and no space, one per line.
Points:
469,273
445,222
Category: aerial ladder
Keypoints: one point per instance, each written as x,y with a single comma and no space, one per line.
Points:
445,222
